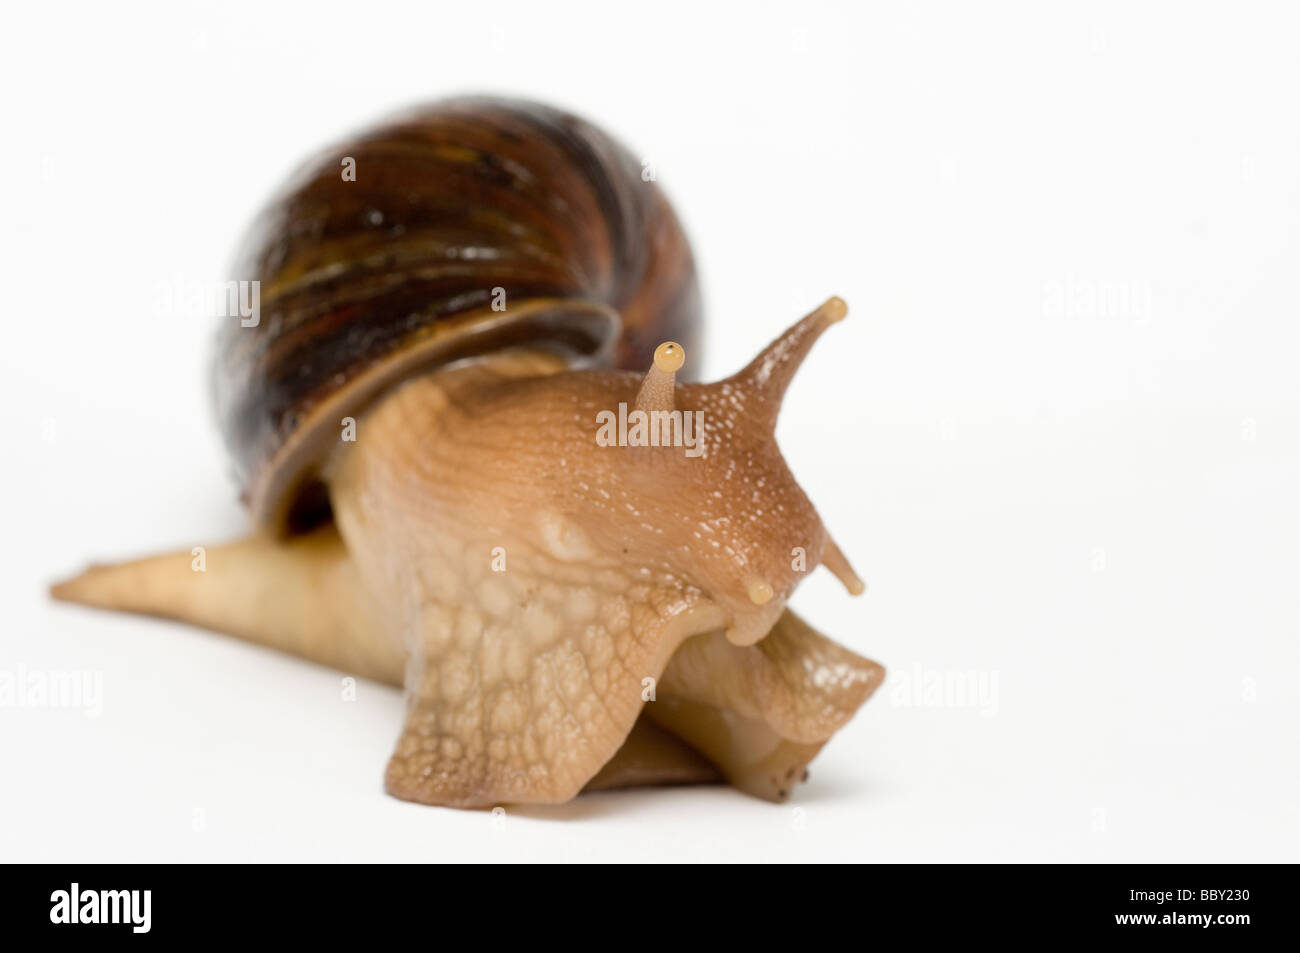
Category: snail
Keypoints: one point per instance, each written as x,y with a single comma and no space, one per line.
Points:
473,472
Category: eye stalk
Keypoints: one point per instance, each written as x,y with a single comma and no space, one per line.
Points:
657,390
767,376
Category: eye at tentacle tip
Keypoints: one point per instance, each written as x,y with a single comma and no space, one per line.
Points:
660,382
834,310
669,357
838,564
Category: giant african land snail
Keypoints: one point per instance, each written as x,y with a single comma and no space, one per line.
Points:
475,303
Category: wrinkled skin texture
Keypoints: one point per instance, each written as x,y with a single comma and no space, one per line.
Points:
563,615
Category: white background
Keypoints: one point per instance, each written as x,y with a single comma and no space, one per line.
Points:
1059,433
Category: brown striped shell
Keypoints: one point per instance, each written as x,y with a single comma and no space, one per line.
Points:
455,207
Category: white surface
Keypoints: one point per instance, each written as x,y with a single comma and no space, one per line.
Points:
1095,507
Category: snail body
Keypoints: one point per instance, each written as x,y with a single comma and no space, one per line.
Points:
415,422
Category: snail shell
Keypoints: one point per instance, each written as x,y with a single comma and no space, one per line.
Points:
472,225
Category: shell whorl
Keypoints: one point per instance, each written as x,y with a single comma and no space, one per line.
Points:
454,206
